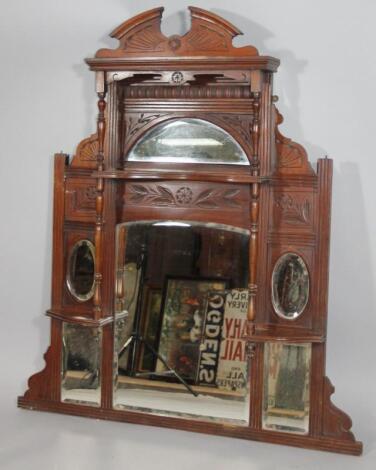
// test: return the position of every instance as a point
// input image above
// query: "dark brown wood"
(200, 174)
(150, 79)
(208, 33)
(78, 319)
(86, 153)
(336, 423)
(80, 199)
(101, 128)
(254, 215)
(291, 157)
(61, 161)
(45, 385)
(324, 443)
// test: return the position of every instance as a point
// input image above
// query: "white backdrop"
(326, 89)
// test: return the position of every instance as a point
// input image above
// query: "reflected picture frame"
(184, 302)
(151, 312)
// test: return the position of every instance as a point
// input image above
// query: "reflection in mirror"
(81, 364)
(287, 369)
(80, 272)
(188, 141)
(290, 286)
(181, 301)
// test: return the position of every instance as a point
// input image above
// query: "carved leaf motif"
(230, 193)
(212, 198)
(138, 188)
(240, 125)
(205, 199)
(134, 125)
(229, 197)
(165, 196)
(294, 212)
(148, 194)
(161, 195)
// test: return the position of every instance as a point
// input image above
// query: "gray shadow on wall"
(87, 80)
(287, 77)
(352, 304)
(177, 23)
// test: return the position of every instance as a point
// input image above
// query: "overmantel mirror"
(190, 250)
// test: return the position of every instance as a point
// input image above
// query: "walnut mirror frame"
(153, 158)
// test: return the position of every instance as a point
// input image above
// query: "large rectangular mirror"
(181, 301)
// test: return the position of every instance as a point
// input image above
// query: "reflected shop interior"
(181, 304)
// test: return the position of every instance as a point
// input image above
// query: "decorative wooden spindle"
(101, 129)
(254, 216)
(120, 269)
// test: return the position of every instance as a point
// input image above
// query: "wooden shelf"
(135, 382)
(79, 319)
(187, 175)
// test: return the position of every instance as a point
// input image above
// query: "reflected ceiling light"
(207, 142)
(171, 223)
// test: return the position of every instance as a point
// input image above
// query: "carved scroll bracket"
(86, 153)
(292, 158)
(336, 423)
(37, 383)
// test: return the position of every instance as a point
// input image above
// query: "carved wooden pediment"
(209, 33)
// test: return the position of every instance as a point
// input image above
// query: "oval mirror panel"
(80, 274)
(290, 286)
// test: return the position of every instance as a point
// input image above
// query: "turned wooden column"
(254, 213)
(101, 129)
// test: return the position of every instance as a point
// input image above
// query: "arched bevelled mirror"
(181, 348)
(80, 270)
(290, 286)
(188, 140)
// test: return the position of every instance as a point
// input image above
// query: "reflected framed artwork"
(183, 311)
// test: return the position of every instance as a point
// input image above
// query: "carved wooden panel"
(188, 200)
(292, 210)
(240, 125)
(80, 197)
(184, 195)
(134, 124)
